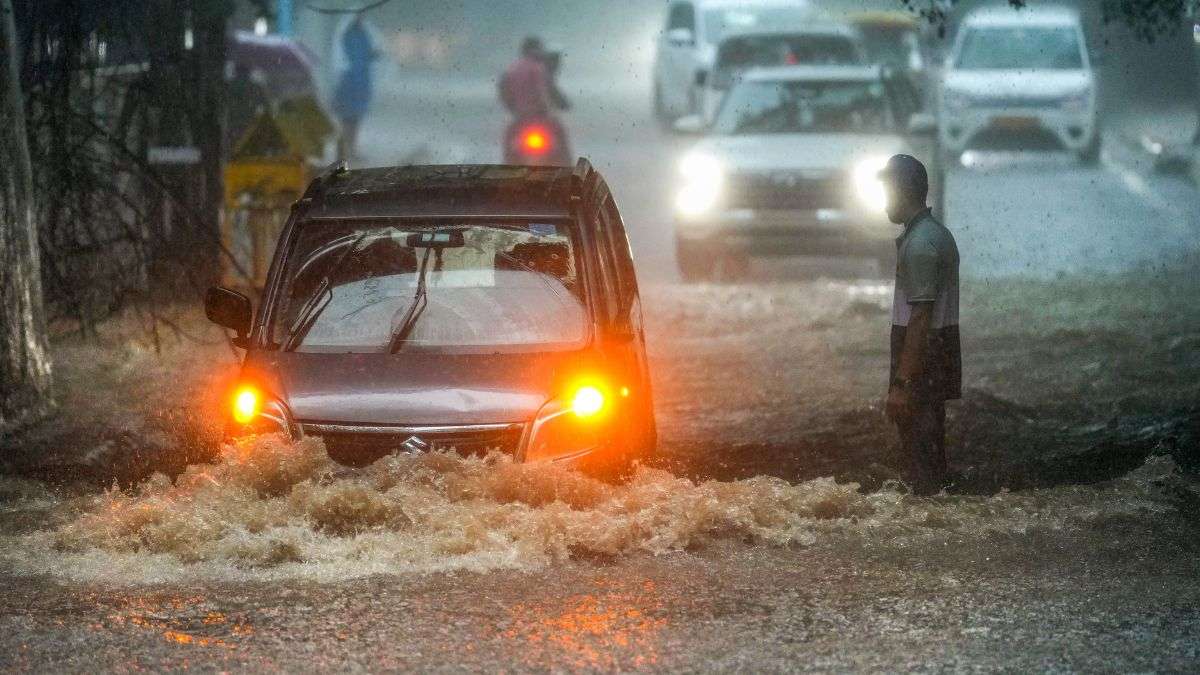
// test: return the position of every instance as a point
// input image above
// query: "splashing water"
(274, 509)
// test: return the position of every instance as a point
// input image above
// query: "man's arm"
(912, 357)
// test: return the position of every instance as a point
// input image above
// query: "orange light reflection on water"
(613, 628)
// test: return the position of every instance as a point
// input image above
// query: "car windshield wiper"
(318, 301)
(415, 308)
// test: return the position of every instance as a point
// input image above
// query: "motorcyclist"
(530, 94)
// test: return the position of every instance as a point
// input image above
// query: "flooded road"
(768, 535)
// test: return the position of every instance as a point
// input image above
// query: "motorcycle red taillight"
(536, 140)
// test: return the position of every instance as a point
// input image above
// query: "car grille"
(784, 190)
(1016, 102)
(352, 440)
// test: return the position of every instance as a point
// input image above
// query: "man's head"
(532, 46)
(907, 185)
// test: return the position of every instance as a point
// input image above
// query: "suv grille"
(351, 443)
(785, 190)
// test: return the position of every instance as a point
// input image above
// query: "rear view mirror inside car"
(451, 239)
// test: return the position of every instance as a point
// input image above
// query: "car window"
(681, 15)
(606, 269)
(618, 243)
(742, 53)
(507, 287)
(1015, 48)
(788, 107)
(892, 45)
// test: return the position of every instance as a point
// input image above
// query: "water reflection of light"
(613, 629)
(180, 620)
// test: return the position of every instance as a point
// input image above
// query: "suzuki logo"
(415, 445)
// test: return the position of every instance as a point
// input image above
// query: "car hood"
(411, 389)
(1000, 83)
(775, 152)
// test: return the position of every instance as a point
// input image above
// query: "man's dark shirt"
(927, 272)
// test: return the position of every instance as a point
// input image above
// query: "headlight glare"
(702, 179)
(246, 405)
(869, 186)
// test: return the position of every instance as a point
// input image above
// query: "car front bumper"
(763, 232)
(1074, 130)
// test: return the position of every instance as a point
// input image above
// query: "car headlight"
(702, 179)
(253, 412)
(571, 425)
(869, 186)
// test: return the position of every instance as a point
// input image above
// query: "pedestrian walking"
(926, 364)
(352, 96)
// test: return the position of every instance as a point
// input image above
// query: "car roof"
(750, 4)
(813, 73)
(1027, 16)
(797, 28)
(884, 18)
(452, 190)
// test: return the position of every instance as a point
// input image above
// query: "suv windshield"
(791, 107)
(742, 53)
(1012, 48)
(502, 287)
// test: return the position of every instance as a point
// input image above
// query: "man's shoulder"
(929, 230)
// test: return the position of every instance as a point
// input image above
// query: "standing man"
(926, 368)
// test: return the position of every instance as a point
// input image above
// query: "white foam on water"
(271, 509)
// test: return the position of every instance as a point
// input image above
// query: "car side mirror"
(921, 124)
(229, 309)
(690, 125)
(681, 37)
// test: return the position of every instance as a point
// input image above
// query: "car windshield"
(757, 107)
(893, 45)
(504, 287)
(1012, 48)
(719, 22)
(741, 53)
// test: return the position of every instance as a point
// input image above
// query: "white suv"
(688, 43)
(1020, 73)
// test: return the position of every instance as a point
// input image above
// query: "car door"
(678, 57)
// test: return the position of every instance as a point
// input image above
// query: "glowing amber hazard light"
(245, 405)
(588, 401)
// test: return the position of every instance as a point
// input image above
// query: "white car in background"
(688, 43)
(817, 43)
(790, 166)
(1020, 74)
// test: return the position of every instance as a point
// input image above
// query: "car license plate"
(1018, 123)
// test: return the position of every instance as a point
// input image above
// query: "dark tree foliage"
(105, 82)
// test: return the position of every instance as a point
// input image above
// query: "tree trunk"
(208, 128)
(24, 349)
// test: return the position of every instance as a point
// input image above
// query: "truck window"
(681, 15)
